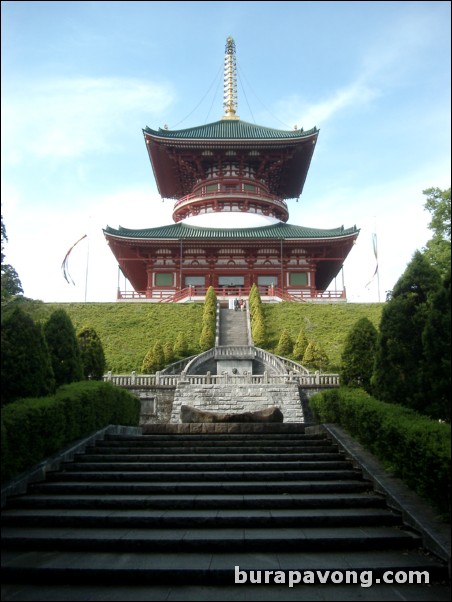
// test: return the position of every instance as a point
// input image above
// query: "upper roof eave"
(227, 130)
(280, 230)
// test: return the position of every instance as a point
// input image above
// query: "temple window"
(298, 279)
(164, 279)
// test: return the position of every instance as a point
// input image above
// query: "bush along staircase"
(243, 514)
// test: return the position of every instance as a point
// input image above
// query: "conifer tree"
(358, 356)
(91, 353)
(300, 346)
(398, 373)
(436, 365)
(315, 356)
(285, 344)
(168, 352)
(180, 346)
(207, 338)
(63, 348)
(258, 330)
(26, 367)
(149, 365)
(159, 356)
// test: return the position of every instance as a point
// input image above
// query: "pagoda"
(230, 182)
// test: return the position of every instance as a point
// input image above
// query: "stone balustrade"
(133, 380)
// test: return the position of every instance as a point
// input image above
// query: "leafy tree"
(25, 360)
(438, 248)
(358, 356)
(436, 347)
(397, 376)
(300, 346)
(63, 347)
(11, 284)
(92, 354)
(285, 344)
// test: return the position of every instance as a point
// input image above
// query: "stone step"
(195, 447)
(220, 456)
(179, 463)
(139, 473)
(205, 569)
(173, 511)
(217, 467)
(201, 487)
(200, 502)
(251, 439)
(253, 539)
(222, 429)
(177, 518)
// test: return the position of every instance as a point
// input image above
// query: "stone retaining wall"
(239, 398)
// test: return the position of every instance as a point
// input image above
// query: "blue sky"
(81, 79)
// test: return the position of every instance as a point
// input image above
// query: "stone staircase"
(167, 516)
(233, 328)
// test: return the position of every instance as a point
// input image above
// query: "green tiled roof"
(184, 231)
(230, 129)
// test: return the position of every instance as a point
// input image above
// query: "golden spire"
(230, 81)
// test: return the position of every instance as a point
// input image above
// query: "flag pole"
(378, 263)
(86, 271)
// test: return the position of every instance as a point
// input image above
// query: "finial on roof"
(230, 81)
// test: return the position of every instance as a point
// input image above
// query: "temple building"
(230, 182)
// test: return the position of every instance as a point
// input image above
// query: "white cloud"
(71, 117)
(307, 115)
(38, 244)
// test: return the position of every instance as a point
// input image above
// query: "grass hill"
(327, 324)
(129, 330)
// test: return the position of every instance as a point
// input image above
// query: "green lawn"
(129, 330)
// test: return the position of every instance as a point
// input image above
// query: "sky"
(80, 81)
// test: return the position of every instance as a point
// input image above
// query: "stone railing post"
(134, 377)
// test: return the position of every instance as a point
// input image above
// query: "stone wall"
(161, 404)
(239, 398)
(156, 403)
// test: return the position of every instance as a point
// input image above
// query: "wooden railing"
(225, 292)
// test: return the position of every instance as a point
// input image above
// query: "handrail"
(172, 296)
(233, 194)
(137, 381)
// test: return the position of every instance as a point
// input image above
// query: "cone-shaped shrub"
(207, 338)
(63, 348)
(300, 346)
(180, 346)
(285, 344)
(315, 356)
(92, 354)
(25, 360)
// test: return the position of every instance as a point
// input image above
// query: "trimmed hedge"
(413, 447)
(35, 428)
